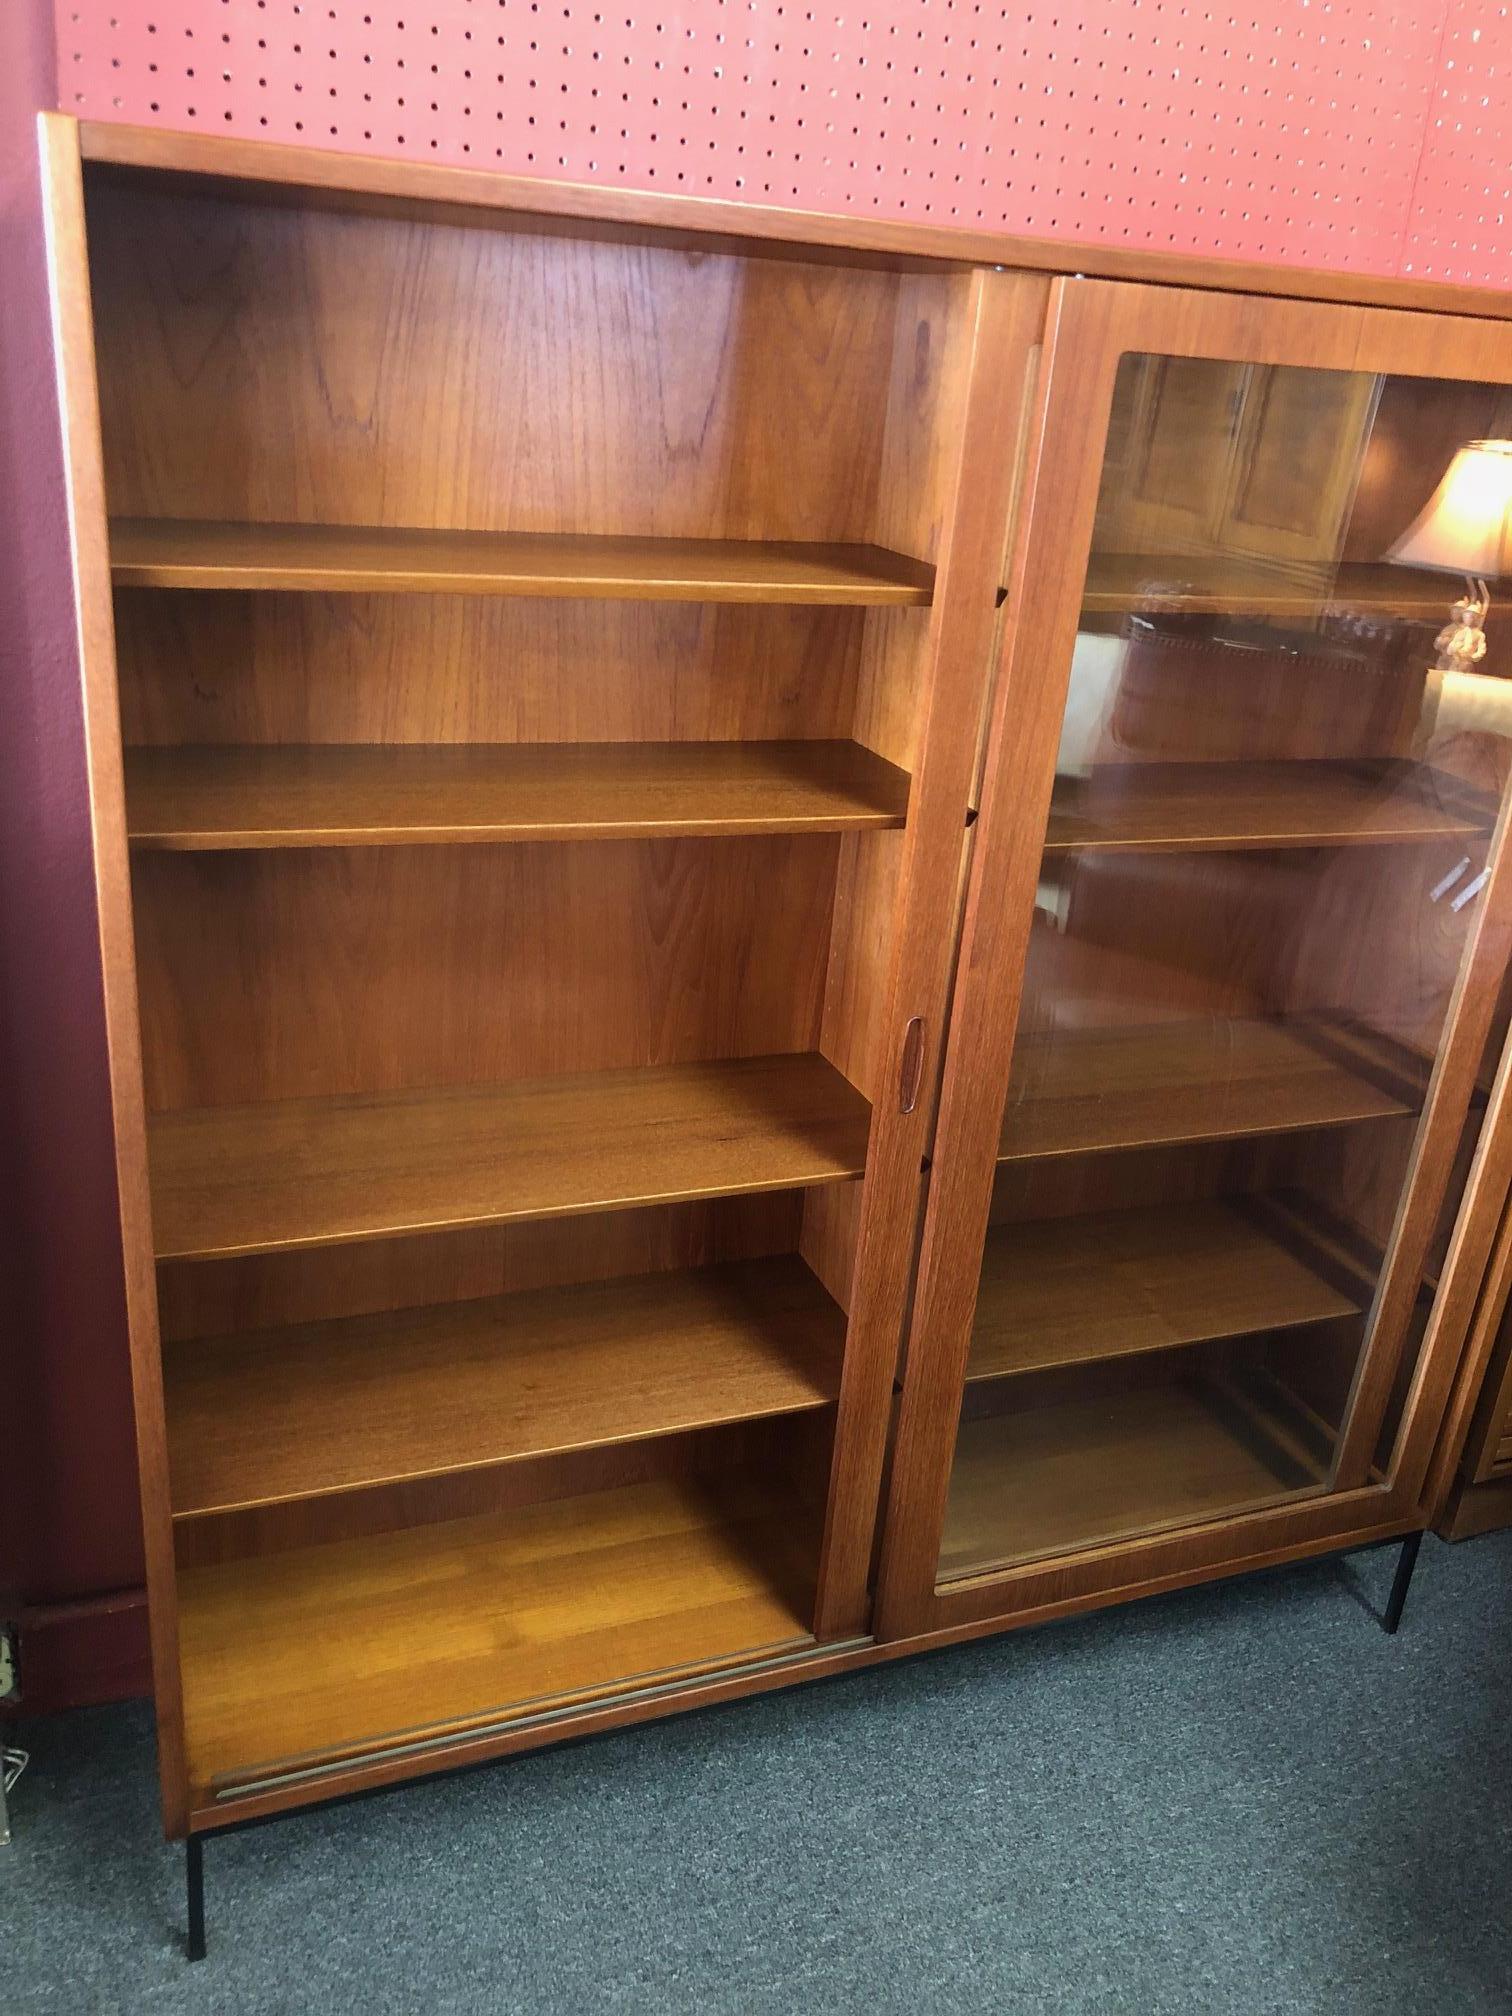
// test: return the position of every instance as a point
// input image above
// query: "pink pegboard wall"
(1461, 226)
(1339, 133)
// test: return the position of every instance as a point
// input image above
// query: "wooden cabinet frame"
(966, 491)
(1091, 326)
(1032, 357)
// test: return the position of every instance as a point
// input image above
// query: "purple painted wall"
(69, 1529)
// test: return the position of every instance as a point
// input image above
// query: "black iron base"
(194, 1870)
(1402, 1581)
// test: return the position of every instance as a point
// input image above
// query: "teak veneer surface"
(191, 553)
(379, 969)
(1220, 585)
(1188, 806)
(1046, 1479)
(267, 1416)
(338, 1646)
(1074, 1090)
(1061, 1291)
(312, 1172)
(210, 797)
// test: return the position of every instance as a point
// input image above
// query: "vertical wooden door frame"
(1006, 314)
(1090, 327)
(89, 530)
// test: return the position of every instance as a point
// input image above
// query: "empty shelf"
(315, 1172)
(327, 559)
(1061, 1291)
(1076, 1090)
(1045, 1479)
(325, 1651)
(1212, 584)
(1185, 807)
(342, 797)
(264, 1418)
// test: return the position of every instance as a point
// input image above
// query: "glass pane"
(1271, 816)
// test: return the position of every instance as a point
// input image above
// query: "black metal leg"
(1402, 1582)
(194, 1870)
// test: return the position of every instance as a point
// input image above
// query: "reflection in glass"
(1268, 835)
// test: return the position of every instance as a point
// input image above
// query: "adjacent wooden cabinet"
(1479, 1495)
(1469, 1487)
(797, 948)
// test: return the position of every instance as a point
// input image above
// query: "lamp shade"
(1466, 525)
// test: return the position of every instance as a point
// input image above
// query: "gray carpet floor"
(1241, 1798)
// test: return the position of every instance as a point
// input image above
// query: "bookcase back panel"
(296, 668)
(350, 970)
(1148, 938)
(260, 1292)
(1293, 704)
(607, 387)
(1143, 937)
(782, 1451)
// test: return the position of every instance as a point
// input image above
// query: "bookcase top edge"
(279, 172)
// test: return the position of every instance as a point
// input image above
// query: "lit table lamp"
(1465, 528)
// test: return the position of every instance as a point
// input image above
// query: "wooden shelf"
(1109, 1284)
(264, 1418)
(342, 797)
(355, 1645)
(1207, 584)
(1186, 807)
(1077, 1090)
(1050, 1478)
(319, 1172)
(332, 559)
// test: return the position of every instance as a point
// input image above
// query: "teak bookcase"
(799, 956)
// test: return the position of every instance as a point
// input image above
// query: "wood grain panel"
(1211, 699)
(213, 668)
(990, 371)
(1045, 1479)
(359, 1643)
(266, 1416)
(607, 389)
(295, 974)
(78, 362)
(249, 1179)
(264, 1291)
(1120, 937)
(1114, 1283)
(438, 1497)
(867, 886)
(1382, 939)
(325, 796)
(323, 559)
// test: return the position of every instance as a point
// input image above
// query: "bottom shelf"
(301, 1658)
(1071, 1473)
